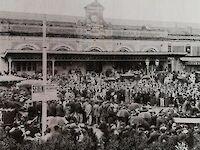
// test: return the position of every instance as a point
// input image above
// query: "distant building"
(92, 43)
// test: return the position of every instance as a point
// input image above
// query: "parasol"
(168, 110)
(29, 82)
(11, 78)
(123, 113)
(145, 115)
(134, 106)
(136, 120)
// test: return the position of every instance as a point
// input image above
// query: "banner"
(187, 120)
(51, 92)
(44, 92)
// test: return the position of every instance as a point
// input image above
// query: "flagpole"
(44, 72)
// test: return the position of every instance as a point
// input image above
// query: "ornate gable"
(94, 14)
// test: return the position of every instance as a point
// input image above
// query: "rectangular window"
(178, 49)
(188, 49)
(169, 48)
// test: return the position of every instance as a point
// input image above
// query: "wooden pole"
(44, 72)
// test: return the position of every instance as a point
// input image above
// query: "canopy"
(123, 113)
(187, 120)
(134, 106)
(29, 82)
(11, 78)
(190, 59)
(138, 121)
(145, 115)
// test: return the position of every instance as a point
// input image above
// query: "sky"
(186, 11)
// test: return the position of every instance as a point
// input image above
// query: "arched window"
(124, 49)
(169, 47)
(63, 48)
(94, 49)
(28, 47)
(151, 50)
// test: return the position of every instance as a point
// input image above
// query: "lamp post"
(147, 62)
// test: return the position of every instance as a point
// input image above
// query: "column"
(9, 66)
(157, 64)
(173, 64)
(53, 67)
(147, 61)
(12, 66)
(171, 60)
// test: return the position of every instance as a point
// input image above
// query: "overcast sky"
(159, 10)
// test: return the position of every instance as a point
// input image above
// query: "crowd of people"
(101, 111)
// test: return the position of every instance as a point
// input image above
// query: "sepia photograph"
(99, 75)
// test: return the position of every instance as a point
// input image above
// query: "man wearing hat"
(163, 134)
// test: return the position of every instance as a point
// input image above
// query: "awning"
(191, 60)
(29, 82)
(10, 78)
(187, 120)
(108, 53)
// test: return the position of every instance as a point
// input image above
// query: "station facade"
(93, 43)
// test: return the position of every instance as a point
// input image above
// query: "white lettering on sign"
(37, 92)
(38, 89)
(51, 92)
(47, 92)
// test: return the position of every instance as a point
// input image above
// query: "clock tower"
(94, 14)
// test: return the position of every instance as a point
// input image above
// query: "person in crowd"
(98, 110)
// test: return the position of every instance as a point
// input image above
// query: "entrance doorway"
(125, 66)
(94, 66)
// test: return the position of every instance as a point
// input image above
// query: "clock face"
(94, 18)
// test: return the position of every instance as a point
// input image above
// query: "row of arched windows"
(91, 49)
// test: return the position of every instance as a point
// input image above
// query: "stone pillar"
(9, 66)
(53, 67)
(147, 61)
(157, 64)
(13, 66)
(179, 65)
(173, 64)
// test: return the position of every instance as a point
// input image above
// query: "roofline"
(75, 19)
(92, 53)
